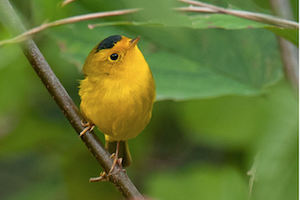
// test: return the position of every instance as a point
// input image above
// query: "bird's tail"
(124, 152)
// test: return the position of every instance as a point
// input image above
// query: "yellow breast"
(119, 112)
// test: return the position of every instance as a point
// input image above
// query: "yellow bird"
(117, 93)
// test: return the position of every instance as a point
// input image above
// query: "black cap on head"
(109, 42)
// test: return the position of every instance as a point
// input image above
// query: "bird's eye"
(114, 56)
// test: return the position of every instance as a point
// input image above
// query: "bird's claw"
(105, 177)
(89, 126)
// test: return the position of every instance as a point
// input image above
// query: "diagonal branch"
(120, 179)
(28, 34)
(267, 19)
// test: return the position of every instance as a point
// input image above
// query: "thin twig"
(267, 19)
(65, 2)
(197, 9)
(288, 51)
(28, 34)
(252, 174)
(13, 24)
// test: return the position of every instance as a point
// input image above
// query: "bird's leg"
(117, 161)
(89, 126)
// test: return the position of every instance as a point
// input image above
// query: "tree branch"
(267, 19)
(120, 179)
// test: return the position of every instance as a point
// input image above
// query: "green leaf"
(178, 78)
(289, 34)
(199, 21)
(210, 21)
(248, 58)
(190, 64)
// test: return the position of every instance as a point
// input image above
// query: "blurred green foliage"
(222, 100)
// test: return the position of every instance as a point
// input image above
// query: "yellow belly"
(120, 113)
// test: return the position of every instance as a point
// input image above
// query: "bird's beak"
(134, 42)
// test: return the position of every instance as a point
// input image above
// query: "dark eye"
(114, 56)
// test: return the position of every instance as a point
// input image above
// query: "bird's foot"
(117, 161)
(105, 176)
(89, 126)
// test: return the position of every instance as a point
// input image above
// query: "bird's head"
(112, 56)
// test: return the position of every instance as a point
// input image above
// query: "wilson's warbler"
(117, 93)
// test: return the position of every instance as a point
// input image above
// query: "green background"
(222, 100)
